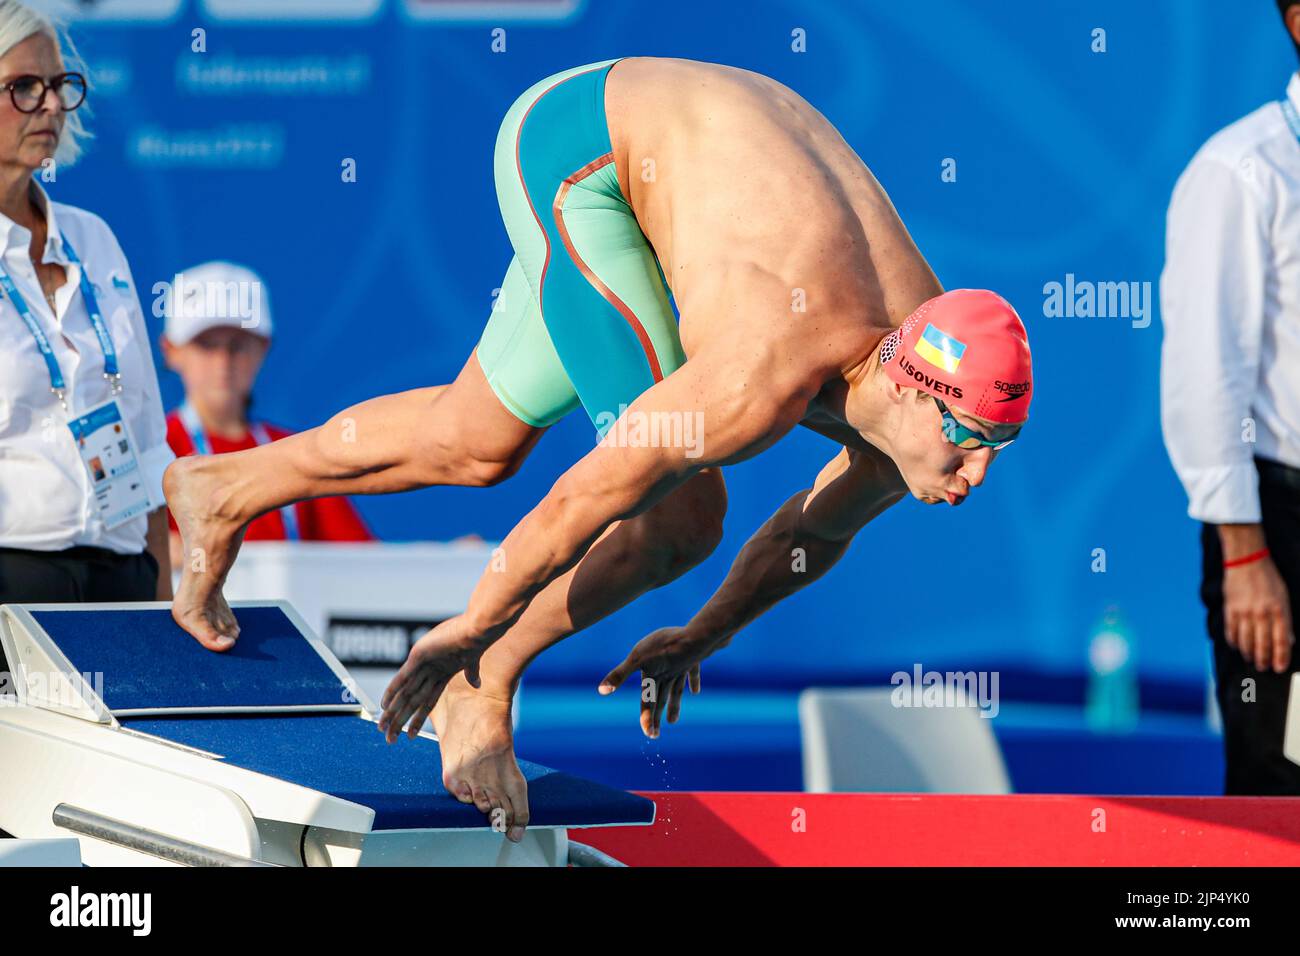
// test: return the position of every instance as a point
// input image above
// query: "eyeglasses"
(963, 437)
(28, 92)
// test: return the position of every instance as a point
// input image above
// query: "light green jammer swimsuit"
(584, 313)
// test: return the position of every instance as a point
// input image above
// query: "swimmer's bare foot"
(210, 542)
(478, 758)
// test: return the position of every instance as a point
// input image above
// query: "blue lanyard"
(57, 384)
(1292, 118)
(199, 439)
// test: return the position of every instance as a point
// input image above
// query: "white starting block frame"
(137, 799)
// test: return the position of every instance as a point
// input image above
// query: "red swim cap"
(970, 349)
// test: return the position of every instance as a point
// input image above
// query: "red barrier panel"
(845, 829)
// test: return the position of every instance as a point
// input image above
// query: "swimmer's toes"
(517, 795)
(458, 788)
(213, 636)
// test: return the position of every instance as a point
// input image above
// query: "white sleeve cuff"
(153, 462)
(1226, 494)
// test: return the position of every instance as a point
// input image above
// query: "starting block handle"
(99, 827)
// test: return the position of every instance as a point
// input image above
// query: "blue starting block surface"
(347, 757)
(148, 664)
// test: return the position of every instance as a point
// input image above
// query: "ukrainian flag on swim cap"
(940, 349)
(995, 379)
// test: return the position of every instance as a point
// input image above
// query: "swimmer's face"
(29, 139)
(935, 470)
(218, 366)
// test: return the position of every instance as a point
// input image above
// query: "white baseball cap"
(213, 295)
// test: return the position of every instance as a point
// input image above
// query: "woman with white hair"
(83, 441)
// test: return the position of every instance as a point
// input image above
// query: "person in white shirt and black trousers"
(83, 441)
(1230, 397)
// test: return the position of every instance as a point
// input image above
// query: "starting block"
(119, 728)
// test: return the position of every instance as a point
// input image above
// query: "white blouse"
(46, 500)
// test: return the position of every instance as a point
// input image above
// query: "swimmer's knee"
(486, 472)
(690, 524)
(706, 507)
(685, 544)
(453, 457)
(699, 537)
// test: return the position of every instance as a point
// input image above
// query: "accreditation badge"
(108, 453)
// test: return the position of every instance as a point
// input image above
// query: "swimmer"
(625, 187)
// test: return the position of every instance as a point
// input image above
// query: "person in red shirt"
(217, 332)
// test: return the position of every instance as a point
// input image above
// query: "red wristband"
(1247, 558)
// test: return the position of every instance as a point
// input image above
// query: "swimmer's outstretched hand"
(435, 659)
(669, 660)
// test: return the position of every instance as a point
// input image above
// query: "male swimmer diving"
(802, 300)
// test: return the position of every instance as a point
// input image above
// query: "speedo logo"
(933, 384)
(1012, 390)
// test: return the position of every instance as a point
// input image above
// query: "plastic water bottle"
(1112, 697)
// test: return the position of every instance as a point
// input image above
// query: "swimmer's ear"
(900, 394)
(896, 392)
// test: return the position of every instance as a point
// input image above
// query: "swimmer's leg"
(632, 557)
(608, 316)
(475, 431)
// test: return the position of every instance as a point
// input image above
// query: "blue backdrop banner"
(1031, 148)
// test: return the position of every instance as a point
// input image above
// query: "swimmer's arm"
(801, 542)
(739, 407)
